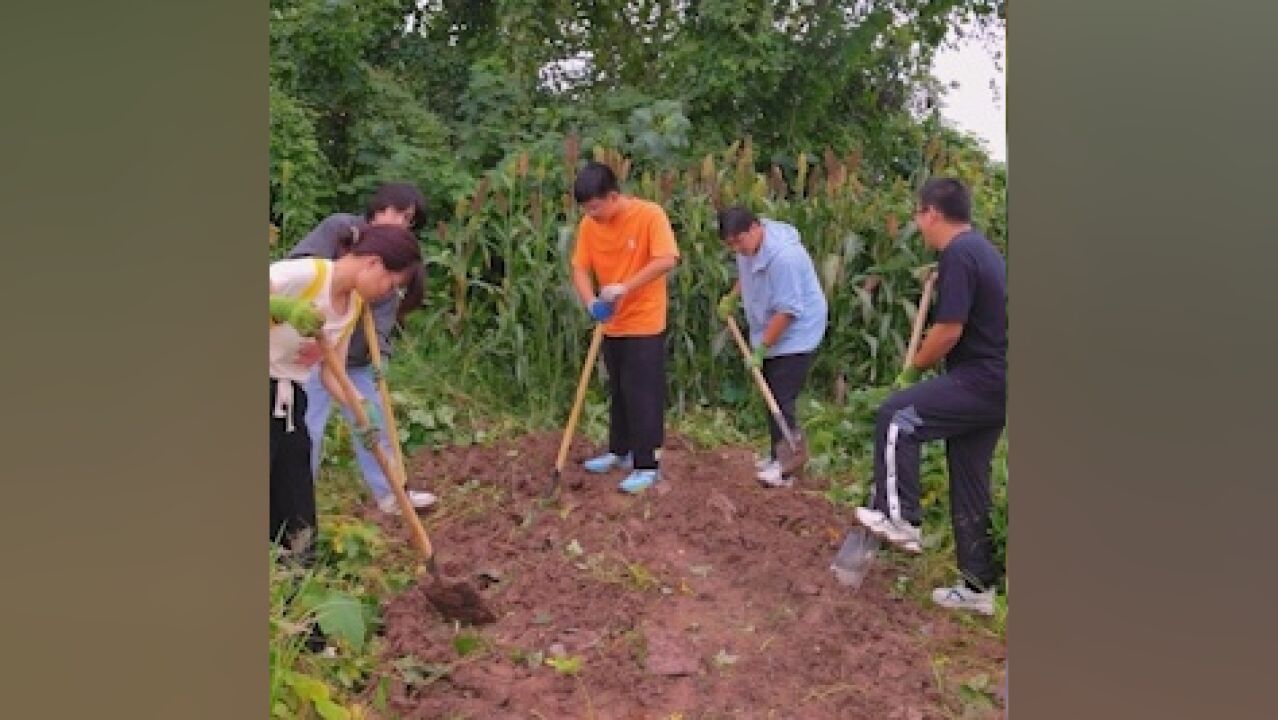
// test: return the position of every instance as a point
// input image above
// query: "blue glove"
(600, 311)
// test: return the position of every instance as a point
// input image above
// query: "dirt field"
(706, 597)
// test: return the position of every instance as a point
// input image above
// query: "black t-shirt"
(972, 289)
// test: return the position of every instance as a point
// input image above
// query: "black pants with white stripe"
(637, 383)
(785, 375)
(970, 421)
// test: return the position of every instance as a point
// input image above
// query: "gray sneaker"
(961, 597)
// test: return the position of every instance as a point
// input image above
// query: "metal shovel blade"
(855, 558)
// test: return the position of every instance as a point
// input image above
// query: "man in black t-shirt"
(965, 406)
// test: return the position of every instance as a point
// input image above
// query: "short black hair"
(595, 180)
(734, 221)
(949, 196)
(401, 196)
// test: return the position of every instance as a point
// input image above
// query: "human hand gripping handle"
(728, 305)
(908, 377)
(600, 310)
(371, 433)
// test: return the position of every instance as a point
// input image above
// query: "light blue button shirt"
(782, 278)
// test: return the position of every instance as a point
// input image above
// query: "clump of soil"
(457, 601)
(708, 596)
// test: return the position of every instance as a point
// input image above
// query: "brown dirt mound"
(708, 596)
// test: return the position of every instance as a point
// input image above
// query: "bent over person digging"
(628, 246)
(787, 315)
(312, 298)
(965, 406)
(394, 204)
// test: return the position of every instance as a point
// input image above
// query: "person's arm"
(776, 326)
(664, 253)
(655, 268)
(582, 278)
(940, 339)
(955, 291)
(325, 239)
(585, 286)
(786, 283)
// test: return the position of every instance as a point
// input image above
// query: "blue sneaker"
(638, 481)
(608, 461)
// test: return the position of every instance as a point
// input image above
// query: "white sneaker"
(903, 535)
(419, 499)
(960, 597)
(761, 463)
(770, 475)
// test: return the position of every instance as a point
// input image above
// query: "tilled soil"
(708, 596)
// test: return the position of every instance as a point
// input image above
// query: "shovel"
(587, 370)
(792, 454)
(454, 602)
(860, 546)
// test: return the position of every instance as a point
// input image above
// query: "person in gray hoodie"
(399, 204)
(785, 308)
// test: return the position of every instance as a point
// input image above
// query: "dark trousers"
(292, 485)
(785, 375)
(637, 386)
(970, 421)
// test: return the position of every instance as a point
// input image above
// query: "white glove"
(612, 293)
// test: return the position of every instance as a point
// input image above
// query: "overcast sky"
(974, 106)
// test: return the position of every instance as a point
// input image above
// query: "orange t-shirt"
(618, 249)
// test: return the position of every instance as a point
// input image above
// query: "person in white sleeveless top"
(311, 296)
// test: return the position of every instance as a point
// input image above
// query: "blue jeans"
(318, 405)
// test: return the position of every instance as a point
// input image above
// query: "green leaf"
(307, 688)
(466, 644)
(329, 710)
(342, 616)
(570, 665)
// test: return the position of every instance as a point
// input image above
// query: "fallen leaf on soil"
(723, 659)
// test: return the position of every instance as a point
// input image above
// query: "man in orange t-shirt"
(627, 244)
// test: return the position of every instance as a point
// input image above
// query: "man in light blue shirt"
(785, 309)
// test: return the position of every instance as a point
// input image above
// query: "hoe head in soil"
(792, 459)
(458, 601)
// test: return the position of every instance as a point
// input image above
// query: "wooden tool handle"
(375, 355)
(338, 372)
(920, 317)
(587, 369)
(762, 382)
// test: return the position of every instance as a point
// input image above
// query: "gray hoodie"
(323, 242)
